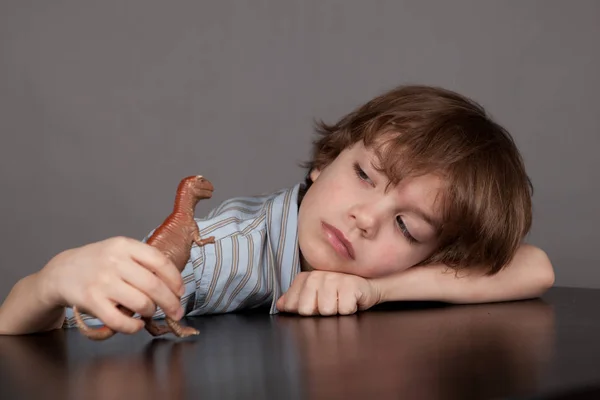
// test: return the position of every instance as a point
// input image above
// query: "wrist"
(391, 287)
(375, 290)
(47, 282)
(413, 284)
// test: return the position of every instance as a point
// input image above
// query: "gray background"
(104, 106)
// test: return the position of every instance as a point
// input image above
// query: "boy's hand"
(328, 293)
(98, 276)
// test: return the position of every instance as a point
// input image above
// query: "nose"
(366, 219)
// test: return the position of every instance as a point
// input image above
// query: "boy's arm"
(25, 311)
(528, 275)
(93, 277)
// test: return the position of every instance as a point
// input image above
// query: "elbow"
(545, 276)
(548, 280)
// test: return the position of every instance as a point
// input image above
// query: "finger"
(153, 287)
(128, 296)
(280, 304)
(347, 302)
(154, 260)
(367, 296)
(106, 310)
(307, 301)
(328, 298)
(291, 298)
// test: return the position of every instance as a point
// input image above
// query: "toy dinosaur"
(174, 237)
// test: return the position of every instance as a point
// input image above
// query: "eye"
(361, 174)
(404, 230)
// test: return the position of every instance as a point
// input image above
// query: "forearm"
(25, 311)
(528, 275)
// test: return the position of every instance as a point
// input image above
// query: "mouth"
(338, 241)
(206, 192)
(207, 186)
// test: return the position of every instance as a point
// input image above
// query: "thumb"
(368, 295)
(280, 302)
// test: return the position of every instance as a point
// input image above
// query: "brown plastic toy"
(174, 237)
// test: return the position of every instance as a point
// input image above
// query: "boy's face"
(348, 223)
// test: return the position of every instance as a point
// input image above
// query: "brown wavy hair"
(415, 130)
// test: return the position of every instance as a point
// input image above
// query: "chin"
(319, 258)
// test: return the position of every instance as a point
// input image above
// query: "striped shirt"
(252, 263)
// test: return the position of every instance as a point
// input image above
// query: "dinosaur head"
(198, 186)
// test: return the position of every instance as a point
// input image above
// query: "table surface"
(546, 348)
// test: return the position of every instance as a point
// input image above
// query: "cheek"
(327, 194)
(390, 257)
(332, 187)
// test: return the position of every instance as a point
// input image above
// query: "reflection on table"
(425, 352)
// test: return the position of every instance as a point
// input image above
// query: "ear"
(314, 174)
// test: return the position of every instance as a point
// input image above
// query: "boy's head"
(416, 176)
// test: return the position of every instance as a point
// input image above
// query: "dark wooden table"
(546, 348)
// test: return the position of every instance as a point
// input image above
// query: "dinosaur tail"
(101, 333)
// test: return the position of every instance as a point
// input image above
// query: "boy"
(412, 185)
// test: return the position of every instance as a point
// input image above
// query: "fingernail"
(182, 290)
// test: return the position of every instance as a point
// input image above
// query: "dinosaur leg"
(179, 330)
(155, 329)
